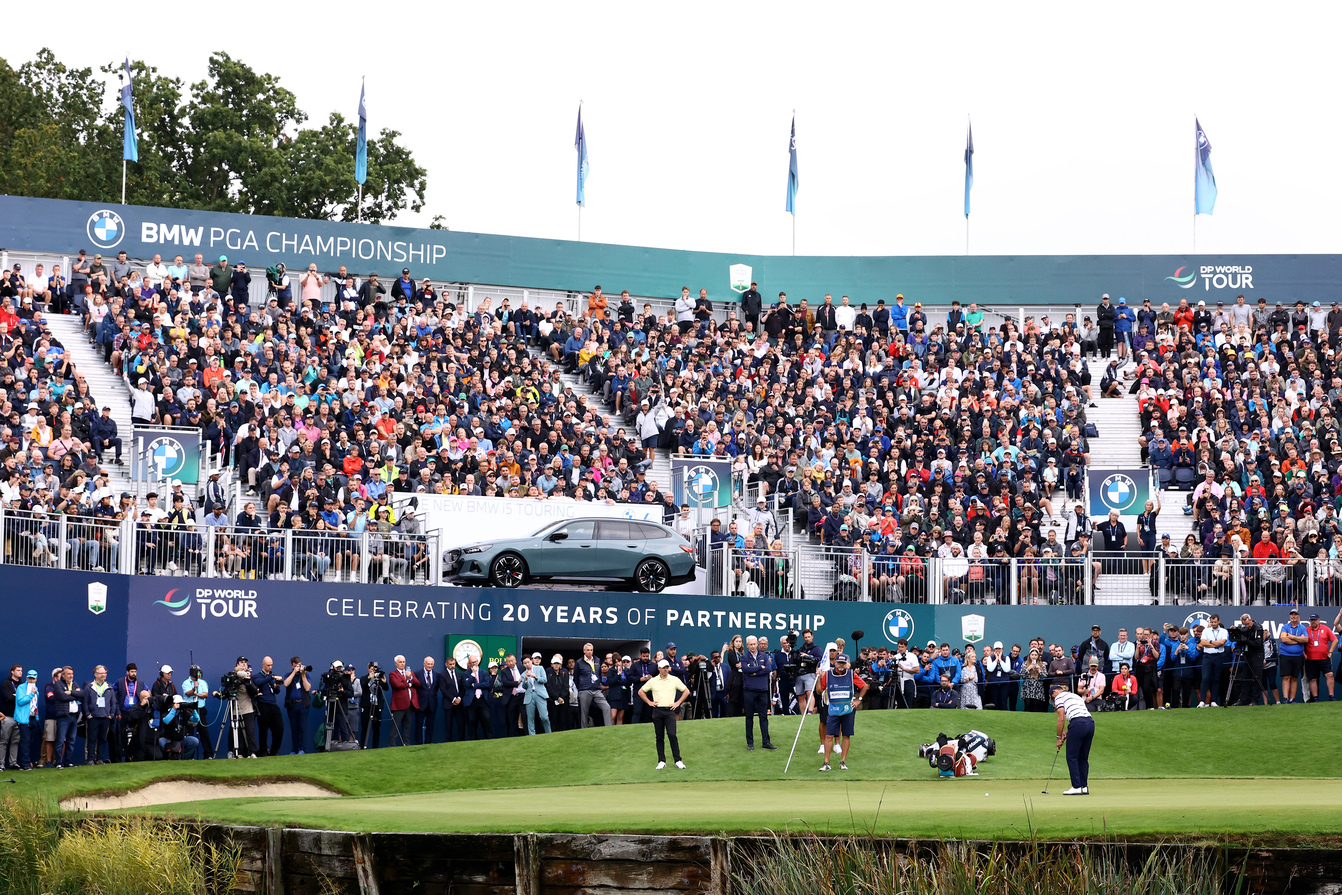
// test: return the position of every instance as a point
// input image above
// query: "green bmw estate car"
(648, 556)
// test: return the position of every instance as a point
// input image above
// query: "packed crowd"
(62, 722)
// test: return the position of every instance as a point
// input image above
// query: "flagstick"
(1195, 231)
(966, 234)
(794, 233)
(123, 181)
(359, 214)
(579, 223)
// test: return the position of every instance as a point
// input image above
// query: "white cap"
(831, 646)
(663, 664)
(557, 658)
(535, 655)
(166, 669)
(998, 645)
(177, 700)
(337, 664)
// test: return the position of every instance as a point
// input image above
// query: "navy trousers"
(1080, 732)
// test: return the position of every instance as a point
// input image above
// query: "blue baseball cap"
(841, 657)
(670, 646)
(32, 673)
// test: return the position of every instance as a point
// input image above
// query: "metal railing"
(141, 548)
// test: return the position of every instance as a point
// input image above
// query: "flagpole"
(359, 215)
(579, 223)
(123, 181)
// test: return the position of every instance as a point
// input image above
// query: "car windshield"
(549, 527)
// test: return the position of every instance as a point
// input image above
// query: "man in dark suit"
(511, 693)
(427, 712)
(371, 706)
(474, 699)
(557, 682)
(450, 687)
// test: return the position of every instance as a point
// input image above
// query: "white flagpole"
(123, 181)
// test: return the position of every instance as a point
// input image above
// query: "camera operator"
(296, 690)
(370, 708)
(1246, 640)
(195, 692)
(238, 685)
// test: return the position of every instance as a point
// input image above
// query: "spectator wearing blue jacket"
(30, 725)
(948, 665)
(1124, 322)
(1182, 660)
(756, 668)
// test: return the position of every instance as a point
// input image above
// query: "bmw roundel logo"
(105, 228)
(167, 457)
(1119, 492)
(1200, 617)
(898, 625)
(701, 485)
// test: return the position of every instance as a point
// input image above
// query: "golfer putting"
(1076, 729)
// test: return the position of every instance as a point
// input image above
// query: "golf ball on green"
(985, 795)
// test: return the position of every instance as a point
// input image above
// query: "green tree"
(232, 142)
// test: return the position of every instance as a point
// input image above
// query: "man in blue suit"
(450, 697)
(428, 702)
(474, 699)
(756, 666)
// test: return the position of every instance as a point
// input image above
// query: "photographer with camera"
(336, 689)
(195, 693)
(371, 687)
(296, 690)
(175, 735)
(1247, 640)
(270, 721)
(239, 694)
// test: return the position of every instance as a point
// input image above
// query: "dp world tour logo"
(179, 607)
(1119, 492)
(105, 228)
(898, 626)
(1184, 280)
(167, 457)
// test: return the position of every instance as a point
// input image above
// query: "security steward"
(1076, 729)
(665, 694)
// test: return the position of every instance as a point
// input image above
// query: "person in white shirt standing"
(1076, 729)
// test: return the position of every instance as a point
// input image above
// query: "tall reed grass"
(39, 855)
(855, 866)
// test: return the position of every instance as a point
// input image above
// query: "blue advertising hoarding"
(49, 225)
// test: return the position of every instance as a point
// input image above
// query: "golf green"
(1240, 772)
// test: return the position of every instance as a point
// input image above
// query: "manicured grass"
(1155, 771)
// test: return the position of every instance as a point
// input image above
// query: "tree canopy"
(235, 141)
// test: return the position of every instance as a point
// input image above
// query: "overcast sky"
(1083, 115)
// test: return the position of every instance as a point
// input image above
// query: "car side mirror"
(558, 536)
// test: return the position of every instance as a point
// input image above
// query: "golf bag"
(960, 756)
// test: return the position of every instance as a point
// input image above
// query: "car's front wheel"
(651, 576)
(508, 570)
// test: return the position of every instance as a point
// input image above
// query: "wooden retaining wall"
(317, 862)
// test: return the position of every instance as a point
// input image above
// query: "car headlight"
(478, 548)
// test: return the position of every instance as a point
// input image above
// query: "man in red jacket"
(404, 703)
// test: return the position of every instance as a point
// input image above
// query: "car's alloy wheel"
(651, 576)
(508, 570)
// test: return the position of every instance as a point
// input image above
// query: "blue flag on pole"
(1204, 183)
(580, 144)
(792, 180)
(969, 166)
(361, 150)
(130, 150)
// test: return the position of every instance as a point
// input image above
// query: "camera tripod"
(334, 712)
(233, 718)
(701, 700)
(374, 697)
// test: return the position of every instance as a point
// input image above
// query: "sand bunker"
(170, 791)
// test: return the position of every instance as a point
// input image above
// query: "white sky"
(1083, 115)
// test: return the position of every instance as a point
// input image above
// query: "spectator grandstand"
(895, 453)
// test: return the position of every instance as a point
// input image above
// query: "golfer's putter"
(1050, 770)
